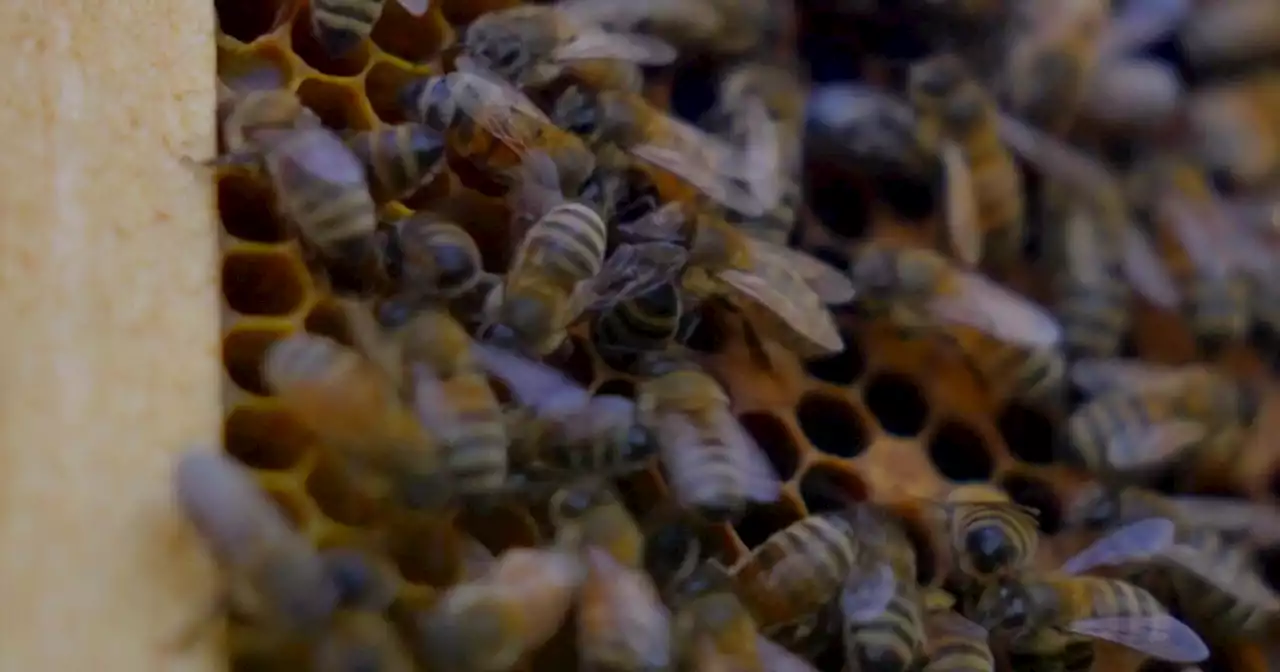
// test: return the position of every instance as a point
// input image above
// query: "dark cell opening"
(897, 403)
(262, 283)
(1027, 432)
(429, 552)
(761, 521)
(693, 89)
(959, 452)
(774, 438)
(827, 487)
(831, 424)
(618, 387)
(1038, 494)
(842, 368)
(327, 319)
(500, 390)
(336, 105)
(912, 197)
(708, 333)
(841, 207)
(309, 49)
(834, 257)
(383, 86)
(243, 351)
(265, 438)
(247, 20)
(413, 38)
(245, 206)
(922, 542)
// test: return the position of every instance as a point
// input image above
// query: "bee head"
(576, 111)
(1004, 606)
(990, 549)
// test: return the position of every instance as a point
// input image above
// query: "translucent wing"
(865, 596)
(1161, 636)
(589, 44)
(1142, 23)
(534, 384)
(537, 189)
(1075, 169)
(665, 223)
(369, 339)
(789, 308)
(435, 411)
(1098, 376)
(477, 560)
(1146, 271)
(1152, 445)
(704, 161)
(632, 270)
(1260, 523)
(498, 107)
(775, 658)
(832, 285)
(415, 7)
(319, 152)
(980, 303)
(1134, 542)
(1239, 579)
(762, 154)
(952, 623)
(760, 480)
(962, 206)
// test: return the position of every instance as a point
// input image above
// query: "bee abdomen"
(478, 455)
(342, 24)
(959, 654)
(705, 476)
(1095, 320)
(892, 642)
(569, 241)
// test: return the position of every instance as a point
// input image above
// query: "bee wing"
(1074, 168)
(864, 597)
(962, 206)
(1152, 445)
(498, 107)
(614, 594)
(231, 512)
(415, 7)
(1205, 250)
(1131, 543)
(591, 44)
(629, 272)
(319, 152)
(762, 154)
(775, 658)
(262, 78)
(1238, 579)
(978, 302)
(431, 404)
(1142, 23)
(1146, 271)
(665, 223)
(760, 480)
(832, 285)
(1260, 523)
(534, 384)
(704, 161)
(1160, 636)
(789, 306)
(1098, 376)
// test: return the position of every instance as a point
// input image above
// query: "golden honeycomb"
(886, 420)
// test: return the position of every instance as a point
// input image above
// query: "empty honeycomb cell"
(577, 364)
(428, 550)
(842, 213)
(499, 527)
(842, 368)
(775, 439)
(327, 319)
(832, 256)
(761, 521)
(243, 350)
(959, 452)
(265, 437)
(332, 488)
(897, 402)
(913, 198)
(831, 487)
(338, 105)
(413, 38)
(313, 54)
(618, 387)
(1036, 493)
(1028, 433)
(246, 209)
(247, 20)
(383, 85)
(832, 424)
(262, 282)
(693, 89)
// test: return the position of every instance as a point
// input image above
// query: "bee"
(866, 129)
(1042, 614)
(591, 514)
(495, 126)
(719, 28)
(275, 576)
(353, 405)
(1036, 375)
(1231, 33)
(342, 25)
(1197, 392)
(563, 430)
(797, 570)
(622, 622)
(883, 612)
(711, 628)
(533, 46)
(956, 644)
(714, 467)
(489, 624)
(431, 260)
(250, 107)
(1129, 93)
(1234, 130)
(361, 640)
(649, 322)
(990, 536)
(672, 548)
(399, 159)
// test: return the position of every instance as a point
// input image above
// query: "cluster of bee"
(631, 226)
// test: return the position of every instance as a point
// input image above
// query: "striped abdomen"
(341, 25)
(703, 472)
(329, 214)
(1206, 606)
(1027, 374)
(1110, 598)
(894, 640)
(567, 244)
(437, 258)
(646, 323)
(993, 539)
(477, 443)
(1094, 316)
(399, 159)
(957, 652)
(1092, 428)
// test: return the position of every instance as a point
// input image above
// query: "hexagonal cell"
(832, 424)
(897, 402)
(337, 494)
(1028, 433)
(761, 521)
(247, 20)
(265, 437)
(246, 207)
(412, 38)
(310, 51)
(338, 105)
(243, 349)
(640, 491)
(263, 282)
(831, 487)
(618, 387)
(427, 550)
(842, 368)
(1039, 494)
(499, 528)
(959, 452)
(327, 319)
(775, 439)
(382, 88)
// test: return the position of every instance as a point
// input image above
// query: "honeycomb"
(886, 420)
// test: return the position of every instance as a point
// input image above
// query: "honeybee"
(564, 430)
(360, 640)
(532, 46)
(1198, 392)
(431, 260)
(711, 628)
(714, 467)
(883, 612)
(716, 27)
(1230, 33)
(1234, 130)
(1010, 370)
(648, 322)
(1132, 92)
(251, 106)
(1099, 507)
(275, 576)
(956, 644)
(1127, 434)
(342, 25)
(990, 536)
(495, 126)
(589, 513)
(399, 159)
(622, 622)
(489, 624)
(353, 405)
